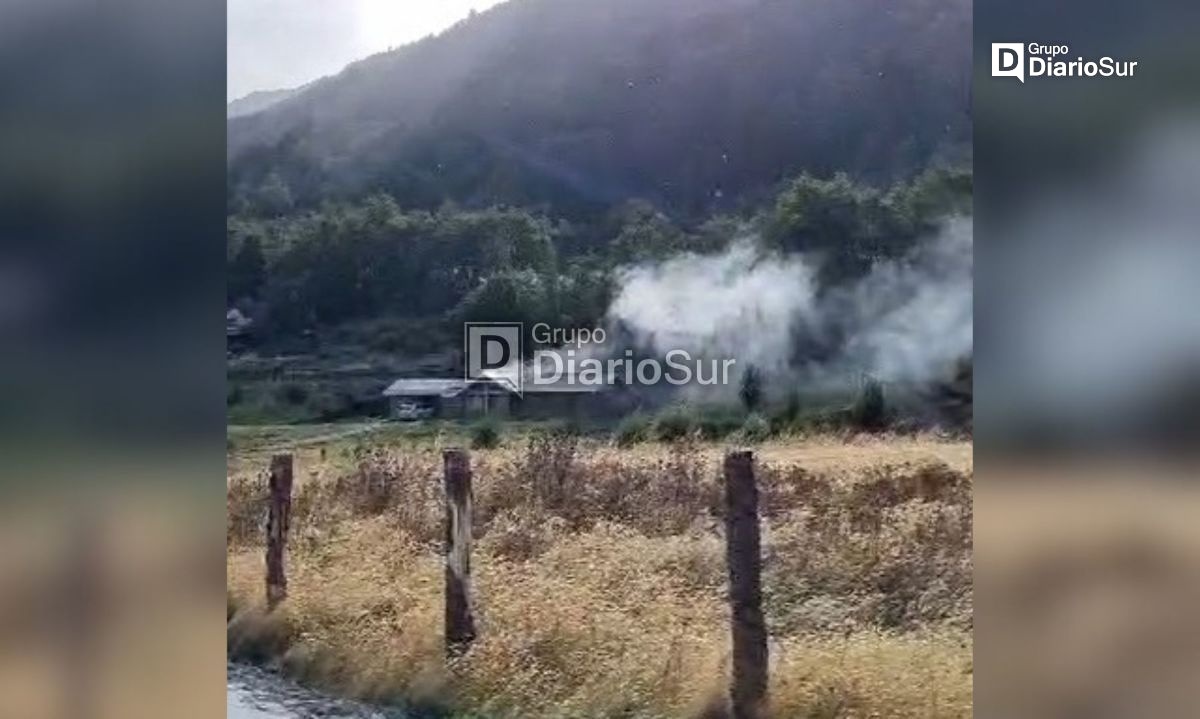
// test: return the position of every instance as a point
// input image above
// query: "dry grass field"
(600, 577)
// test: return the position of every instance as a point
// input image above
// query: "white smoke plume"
(907, 321)
(739, 304)
(911, 319)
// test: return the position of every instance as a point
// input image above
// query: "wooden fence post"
(748, 688)
(460, 624)
(278, 518)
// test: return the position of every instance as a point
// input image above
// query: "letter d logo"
(1008, 60)
(493, 351)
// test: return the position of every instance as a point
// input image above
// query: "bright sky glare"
(276, 44)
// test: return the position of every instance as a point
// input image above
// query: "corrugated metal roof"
(565, 383)
(425, 388)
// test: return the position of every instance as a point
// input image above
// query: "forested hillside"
(533, 161)
(257, 102)
(571, 107)
(422, 273)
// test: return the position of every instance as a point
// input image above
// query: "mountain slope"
(257, 102)
(696, 105)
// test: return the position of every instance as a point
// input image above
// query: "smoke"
(908, 321)
(740, 304)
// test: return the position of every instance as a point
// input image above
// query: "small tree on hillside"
(751, 390)
(870, 407)
(247, 271)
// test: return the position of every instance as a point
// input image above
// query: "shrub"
(332, 406)
(257, 637)
(870, 408)
(718, 422)
(615, 561)
(293, 394)
(485, 434)
(633, 429)
(673, 424)
(786, 417)
(548, 471)
(565, 428)
(245, 509)
(382, 482)
(521, 533)
(751, 390)
(755, 429)
(388, 341)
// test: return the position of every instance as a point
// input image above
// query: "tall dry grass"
(600, 581)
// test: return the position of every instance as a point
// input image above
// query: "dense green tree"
(930, 197)
(750, 390)
(834, 218)
(850, 226)
(645, 234)
(509, 296)
(247, 271)
(371, 259)
(582, 294)
(717, 233)
(273, 197)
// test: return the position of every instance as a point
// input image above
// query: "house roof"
(565, 383)
(426, 388)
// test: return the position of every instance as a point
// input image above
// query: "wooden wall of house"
(450, 408)
(479, 404)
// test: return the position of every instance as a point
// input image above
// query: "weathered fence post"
(460, 624)
(749, 681)
(278, 518)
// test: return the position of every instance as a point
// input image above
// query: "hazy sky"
(276, 44)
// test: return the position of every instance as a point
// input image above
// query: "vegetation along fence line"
(748, 680)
